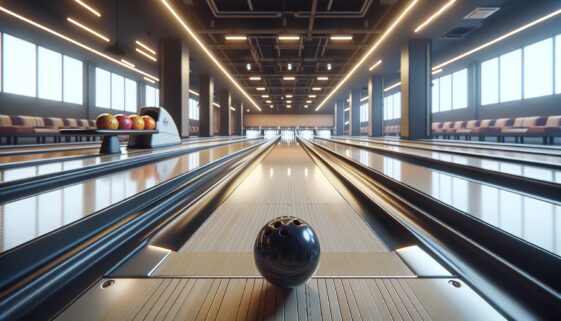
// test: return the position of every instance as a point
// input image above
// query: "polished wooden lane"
(25, 219)
(21, 172)
(535, 220)
(535, 172)
(255, 299)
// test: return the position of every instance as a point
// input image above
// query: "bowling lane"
(286, 182)
(508, 167)
(17, 173)
(31, 217)
(548, 157)
(534, 220)
(39, 153)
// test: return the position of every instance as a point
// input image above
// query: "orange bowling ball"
(137, 122)
(106, 121)
(149, 122)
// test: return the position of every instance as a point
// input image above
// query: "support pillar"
(354, 116)
(375, 106)
(239, 117)
(225, 103)
(340, 117)
(416, 89)
(174, 82)
(206, 98)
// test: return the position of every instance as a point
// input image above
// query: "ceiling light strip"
(375, 65)
(145, 54)
(437, 71)
(494, 41)
(194, 92)
(87, 7)
(79, 44)
(374, 47)
(127, 63)
(435, 15)
(152, 51)
(392, 86)
(149, 80)
(209, 54)
(364, 98)
(88, 29)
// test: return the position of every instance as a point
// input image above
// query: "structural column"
(416, 89)
(340, 117)
(225, 103)
(174, 82)
(206, 98)
(354, 116)
(239, 117)
(375, 106)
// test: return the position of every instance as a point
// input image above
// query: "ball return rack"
(110, 138)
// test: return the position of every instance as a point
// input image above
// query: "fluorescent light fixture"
(316, 88)
(271, 106)
(312, 96)
(288, 96)
(247, 110)
(268, 101)
(260, 88)
(208, 53)
(150, 50)
(500, 38)
(288, 78)
(145, 54)
(248, 67)
(308, 101)
(232, 108)
(323, 78)
(194, 92)
(364, 98)
(392, 86)
(347, 109)
(127, 63)
(369, 52)
(289, 66)
(289, 101)
(93, 32)
(305, 106)
(217, 105)
(329, 67)
(435, 15)
(289, 37)
(77, 43)
(150, 80)
(288, 106)
(264, 96)
(89, 8)
(235, 37)
(437, 71)
(341, 37)
(375, 65)
(255, 78)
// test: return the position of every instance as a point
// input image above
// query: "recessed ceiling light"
(247, 110)
(316, 88)
(289, 66)
(288, 106)
(323, 78)
(305, 106)
(375, 65)
(289, 101)
(289, 37)
(235, 37)
(288, 96)
(341, 37)
(145, 54)
(329, 67)
(248, 67)
(308, 101)
(93, 32)
(264, 96)
(268, 101)
(312, 96)
(288, 78)
(260, 88)
(255, 78)
(271, 106)
(88, 7)
(152, 51)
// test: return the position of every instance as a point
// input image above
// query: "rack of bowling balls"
(110, 127)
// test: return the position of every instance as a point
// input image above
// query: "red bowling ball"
(124, 121)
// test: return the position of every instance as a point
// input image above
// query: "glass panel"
(460, 89)
(102, 88)
(397, 105)
(157, 98)
(538, 67)
(73, 81)
(435, 97)
(117, 92)
(446, 93)
(150, 93)
(130, 95)
(511, 76)
(389, 107)
(19, 65)
(558, 64)
(50, 74)
(490, 82)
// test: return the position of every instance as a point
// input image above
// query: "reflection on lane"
(533, 220)
(533, 172)
(13, 174)
(28, 218)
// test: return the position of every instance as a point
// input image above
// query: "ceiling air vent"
(481, 13)
(458, 33)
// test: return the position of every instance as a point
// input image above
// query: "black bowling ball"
(287, 252)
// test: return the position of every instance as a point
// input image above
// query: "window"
(117, 92)
(19, 66)
(397, 105)
(460, 89)
(364, 112)
(49, 74)
(102, 88)
(73, 81)
(538, 66)
(392, 106)
(435, 97)
(152, 96)
(446, 93)
(558, 64)
(490, 82)
(130, 96)
(511, 76)
(193, 109)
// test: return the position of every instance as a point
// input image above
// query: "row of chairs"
(14, 127)
(546, 127)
